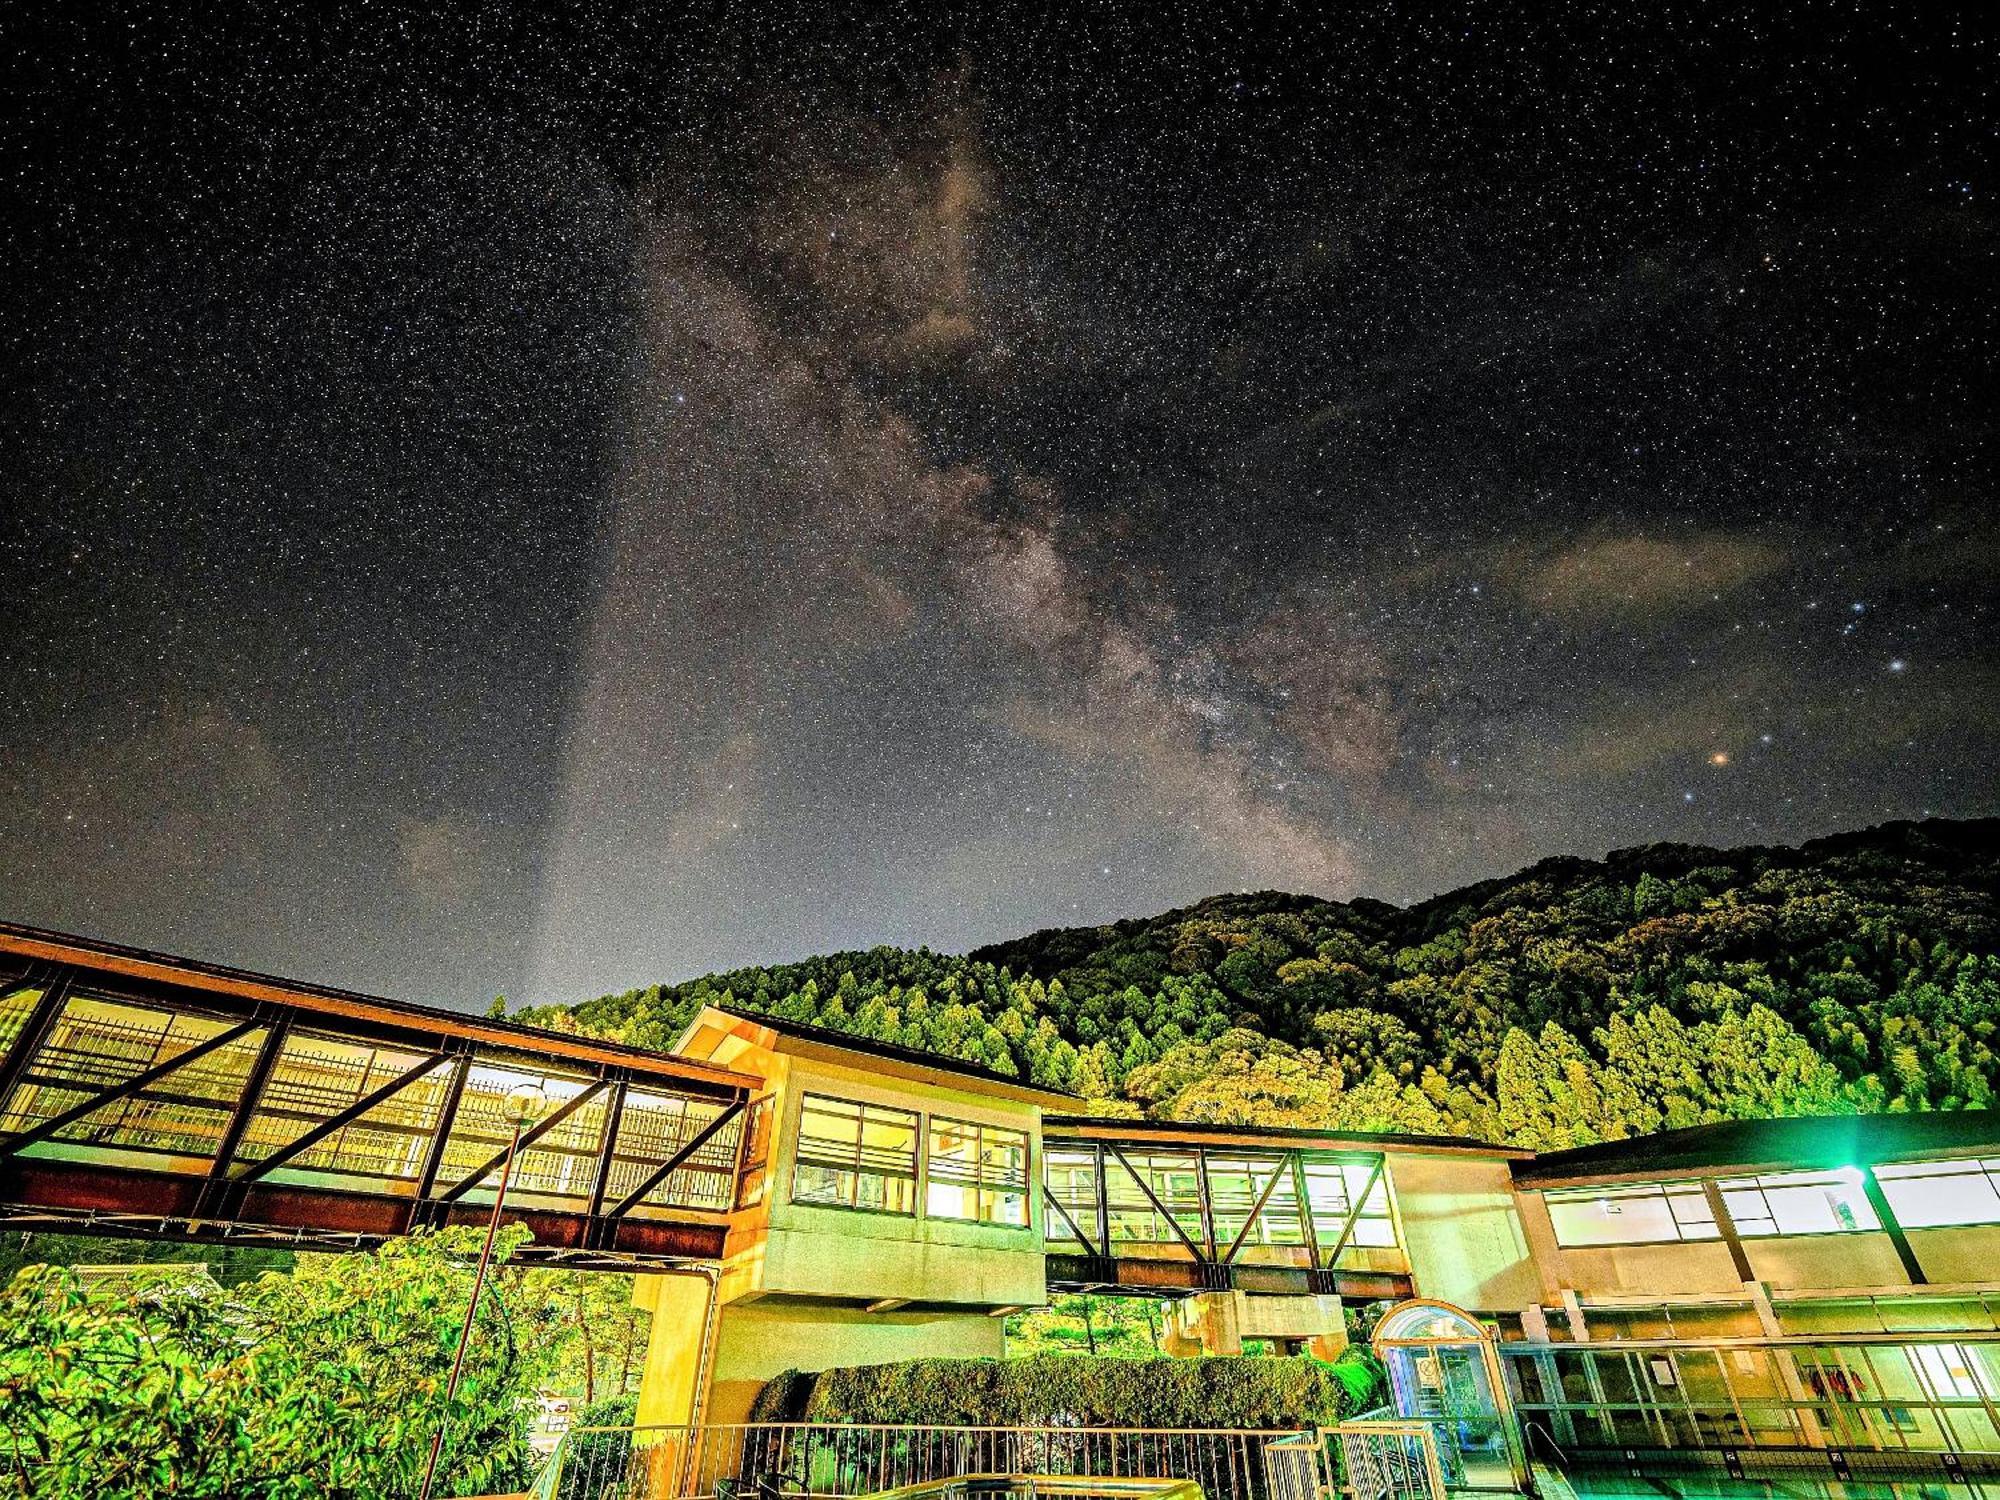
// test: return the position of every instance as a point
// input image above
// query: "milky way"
(498, 504)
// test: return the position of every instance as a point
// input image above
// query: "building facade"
(897, 1206)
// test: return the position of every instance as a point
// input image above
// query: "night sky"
(506, 501)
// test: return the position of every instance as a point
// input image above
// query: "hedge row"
(1078, 1389)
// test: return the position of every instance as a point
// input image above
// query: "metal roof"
(1803, 1143)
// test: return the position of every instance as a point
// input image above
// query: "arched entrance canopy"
(1443, 1369)
(1422, 1322)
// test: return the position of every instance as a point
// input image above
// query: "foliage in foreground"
(326, 1382)
(1576, 1001)
(1066, 1390)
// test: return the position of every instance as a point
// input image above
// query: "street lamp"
(521, 1108)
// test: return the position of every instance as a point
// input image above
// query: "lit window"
(856, 1156)
(1641, 1215)
(1798, 1203)
(1932, 1194)
(977, 1172)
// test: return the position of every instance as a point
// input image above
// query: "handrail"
(1242, 1432)
(1523, 1348)
(1539, 1430)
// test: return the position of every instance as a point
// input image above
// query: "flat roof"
(910, 1058)
(1803, 1143)
(1193, 1133)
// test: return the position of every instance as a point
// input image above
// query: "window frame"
(979, 1184)
(1758, 1184)
(857, 1166)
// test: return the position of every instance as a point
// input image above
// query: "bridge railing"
(1901, 1402)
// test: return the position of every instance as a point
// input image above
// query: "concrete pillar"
(672, 1384)
(1535, 1323)
(1767, 1315)
(1579, 1329)
(1207, 1323)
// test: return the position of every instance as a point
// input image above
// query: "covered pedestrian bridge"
(147, 1095)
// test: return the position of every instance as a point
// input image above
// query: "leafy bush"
(1082, 1390)
(783, 1398)
(326, 1383)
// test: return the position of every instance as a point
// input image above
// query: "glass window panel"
(480, 1131)
(655, 1127)
(1933, 1194)
(855, 1155)
(1611, 1216)
(1072, 1181)
(1691, 1212)
(1235, 1186)
(1172, 1178)
(977, 1172)
(1799, 1203)
(317, 1077)
(98, 1044)
(15, 1008)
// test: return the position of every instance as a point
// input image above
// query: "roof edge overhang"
(791, 1039)
(1625, 1165)
(117, 961)
(1099, 1127)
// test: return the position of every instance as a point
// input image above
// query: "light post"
(522, 1107)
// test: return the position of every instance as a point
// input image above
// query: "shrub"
(322, 1384)
(783, 1397)
(1082, 1390)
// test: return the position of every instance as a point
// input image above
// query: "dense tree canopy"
(1577, 1001)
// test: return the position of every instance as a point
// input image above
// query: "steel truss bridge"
(1165, 1209)
(151, 1096)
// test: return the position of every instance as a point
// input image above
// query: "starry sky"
(503, 499)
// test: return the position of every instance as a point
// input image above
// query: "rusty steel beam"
(122, 971)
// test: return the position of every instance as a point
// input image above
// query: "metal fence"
(1383, 1458)
(748, 1462)
(1929, 1399)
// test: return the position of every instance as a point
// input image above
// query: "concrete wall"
(1786, 1262)
(757, 1340)
(1462, 1230)
(1958, 1255)
(833, 1252)
(1699, 1268)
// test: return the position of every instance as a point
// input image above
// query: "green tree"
(327, 1382)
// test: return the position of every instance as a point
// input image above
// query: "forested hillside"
(1576, 1001)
